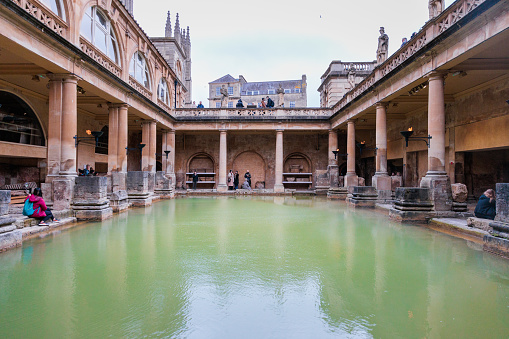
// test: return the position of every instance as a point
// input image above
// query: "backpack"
(28, 208)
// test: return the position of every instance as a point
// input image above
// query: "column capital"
(332, 131)
(223, 130)
(117, 105)
(351, 121)
(435, 75)
(69, 77)
(280, 130)
(381, 104)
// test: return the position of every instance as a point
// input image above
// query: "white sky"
(280, 39)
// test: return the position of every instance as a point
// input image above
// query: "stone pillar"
(112, 139)
(122, 138)
(62, 127)
(332, 168)
(436, 178)
(222, 187)
(164, 145)
(90, 199)
(170, 146)
(351, 178)
(69, 126)
(10, 237)
(153, 147)
(381, 179)
(145, 139)
(278, 182)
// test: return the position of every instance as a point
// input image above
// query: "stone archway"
(253, 162)
(204, 165)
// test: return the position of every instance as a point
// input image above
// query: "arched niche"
(18, 122)
(204, 165)
(297, 163)
(253, 162)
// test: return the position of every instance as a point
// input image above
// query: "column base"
(383, 184)
(362, 196)
(119, 201)
(222, 188)
(412, 205)
(498, 243)
(338, 193)
(279, 188)
(90, 200)
(140, 187)
(351, 180)
(333, 175)
(439, 185)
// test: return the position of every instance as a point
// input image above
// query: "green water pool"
(252, 268)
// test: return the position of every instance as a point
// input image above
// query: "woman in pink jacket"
(41, 211)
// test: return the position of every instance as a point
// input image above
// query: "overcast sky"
(279, 39)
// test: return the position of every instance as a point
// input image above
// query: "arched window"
(96, 28)
(18, 123)
(56, 7)
(138, 69)
(162, 91)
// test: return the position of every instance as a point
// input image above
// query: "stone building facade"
(293, 92)
(58, 87)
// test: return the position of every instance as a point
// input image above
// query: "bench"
(18, 191)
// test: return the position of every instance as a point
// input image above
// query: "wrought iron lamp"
(95, 135)
(336, 153)
(408, 135)
(165, 153)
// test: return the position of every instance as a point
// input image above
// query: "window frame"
(109, 47)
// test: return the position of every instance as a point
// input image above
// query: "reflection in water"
(252, 268)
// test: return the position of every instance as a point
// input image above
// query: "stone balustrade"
(255, 113)
(433, 28)
(98, 56)
(48, 18)
(140, 88)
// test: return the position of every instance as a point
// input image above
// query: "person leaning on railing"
(486, 208)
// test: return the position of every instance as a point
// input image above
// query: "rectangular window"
(230, 90)
(230, 104)
(292, 104)
(288, 90)
(272, 91)
(217, 91)
(297, 90)
(218, 104)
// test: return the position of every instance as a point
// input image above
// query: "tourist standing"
(263, 104)
(486, 206)
(236, 180)
(200, 105)
(230, 180)
(195, 179)
(240, 104)
(270, 102)
(41, 211)
(247, 176)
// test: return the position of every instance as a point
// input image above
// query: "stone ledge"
(479, 223)
(459, 225)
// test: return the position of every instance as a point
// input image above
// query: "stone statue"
(351, 75)
(224, 96)
(281, 96)
(383, 47)
(435, 7)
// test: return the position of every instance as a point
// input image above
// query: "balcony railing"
(47, 17)
(140, 88)
(255, 113)
(98, 56)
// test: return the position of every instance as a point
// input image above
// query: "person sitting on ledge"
(486, 208)
(41, 211)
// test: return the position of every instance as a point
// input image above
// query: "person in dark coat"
(195, 179)
(247, 176)
(270, 102)
(486, 208)
(236, 180)
(239, 104)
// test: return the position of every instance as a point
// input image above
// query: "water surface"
(252, 268)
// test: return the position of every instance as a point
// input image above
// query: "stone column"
(152, 146)
(164, 147)
(69, 126)
(332, 168)
(351, 178)
(381, 179)
(436, 178)
(112, 139)
(62, 127)
(222, 187)
(170, 146)
(54, 127)
(145, 139)
(122, 138)
(278, 182)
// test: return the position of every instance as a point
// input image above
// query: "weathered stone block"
(138, 188)
(333, 175)
(5, 199)
(396, 181)
(502, 202)
(482, 224)
(362, 196)
(382, 182)
(90, 199)
(440, 191)
(62, 193)
(163, 187)
(412, 204)
(339, 193)
(459, 192)
(496, 245)
(119, 201)
(10, 240)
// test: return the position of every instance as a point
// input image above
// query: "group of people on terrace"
(233, 180)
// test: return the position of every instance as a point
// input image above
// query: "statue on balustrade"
(383, 47)
(435, 8)
(224, 96)
(351, 75)
(281, 96)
